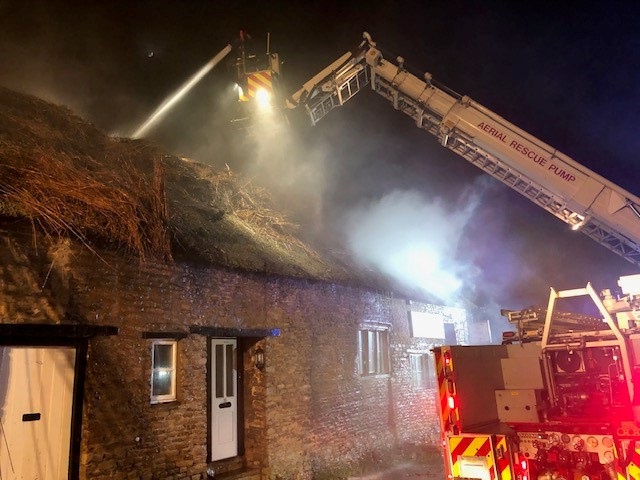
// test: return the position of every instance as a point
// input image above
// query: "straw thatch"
(68, 178)
(222, 218)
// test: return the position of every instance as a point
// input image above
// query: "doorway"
(36, 407)
(224, 398)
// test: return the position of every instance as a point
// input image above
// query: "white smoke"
(415, 239)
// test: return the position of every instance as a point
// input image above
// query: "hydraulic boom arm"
(578, 196)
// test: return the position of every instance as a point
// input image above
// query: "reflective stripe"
(632, 472)
(503, 459)
(471, 446)
(633, 469)
(259, 80)
(442, 388)
(449, 417)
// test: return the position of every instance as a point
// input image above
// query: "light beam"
(181, 92)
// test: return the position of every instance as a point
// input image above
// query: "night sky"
(567, 72)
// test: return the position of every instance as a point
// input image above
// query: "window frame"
(378, 350)
(424, 378)
(172, 396)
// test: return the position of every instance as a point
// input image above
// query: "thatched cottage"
(159, 320)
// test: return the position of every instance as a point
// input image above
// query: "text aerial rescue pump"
(557, 400)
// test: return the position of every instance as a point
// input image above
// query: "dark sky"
(567, 72)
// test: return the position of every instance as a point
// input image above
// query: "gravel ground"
(429, 467)
(407, 471)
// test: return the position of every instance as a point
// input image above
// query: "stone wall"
(308, 413)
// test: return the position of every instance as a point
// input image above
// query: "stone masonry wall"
(308, 413)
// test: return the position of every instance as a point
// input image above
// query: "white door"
(224, 411)
(36, 399)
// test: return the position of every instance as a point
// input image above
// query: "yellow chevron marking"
(471, 450)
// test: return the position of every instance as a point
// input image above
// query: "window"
(450, 337)
(422, 372)
(163, 370)
(373, 349)
(427, 325)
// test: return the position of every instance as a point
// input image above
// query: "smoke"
(260, 145)
(452, 251)
(415, 239)
(293, 170)
(114, 66)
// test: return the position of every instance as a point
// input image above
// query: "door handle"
(30, 417)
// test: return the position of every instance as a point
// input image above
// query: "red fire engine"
(554, 401)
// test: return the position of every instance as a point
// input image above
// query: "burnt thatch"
(68, 178)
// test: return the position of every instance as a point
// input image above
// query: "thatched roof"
(69, 178)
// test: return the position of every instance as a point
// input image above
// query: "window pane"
(229, 360)
(371, 354)
(219, 372)
(362, 351)
(163, 356)
(418, 377)
(413, 361)
(161, 383)
(163, 372)
(430, 373)
(383, 352)
(450, 334)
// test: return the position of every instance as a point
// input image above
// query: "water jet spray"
(181, 92)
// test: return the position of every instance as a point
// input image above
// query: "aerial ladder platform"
(568, 190)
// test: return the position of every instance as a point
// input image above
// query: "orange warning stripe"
(259, 80)
(471, 446)
(503, 458)
(632, 471)
(496, 456)
(443, 408)
(449, 417)
(442, 388)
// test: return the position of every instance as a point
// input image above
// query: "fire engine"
(556, 400)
